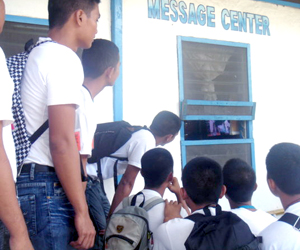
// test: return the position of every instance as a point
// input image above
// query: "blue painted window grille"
(216, 100)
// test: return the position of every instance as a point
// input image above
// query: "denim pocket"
(28, 206)
(58, 190)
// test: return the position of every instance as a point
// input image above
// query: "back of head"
(99, 57)
(239, 179)
(157, 164)
(60, 10)
(283, 166)
(165, 123)
(202, 179)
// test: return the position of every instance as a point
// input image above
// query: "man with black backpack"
(208, 227)
(127, 159)
(283, 176)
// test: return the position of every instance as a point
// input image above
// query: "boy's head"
(157, 167)
(102, 56)
(283, 167)
(165, 124)
(202, 180)
(239, 179)
(83, 14)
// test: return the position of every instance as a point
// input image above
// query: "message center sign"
(180, 11)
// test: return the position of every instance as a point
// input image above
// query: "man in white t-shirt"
(240, 182)
(10, 212)
(157, 171)
(101, 65)
(49, 186)
(164, 128)
(283, 175)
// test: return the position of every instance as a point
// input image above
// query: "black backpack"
(108, 138)
(223, 231)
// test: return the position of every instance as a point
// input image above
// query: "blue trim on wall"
(216, 142)
(284, 3)
(217, 117)
(29, 20)
(219, 103)
(117, 38)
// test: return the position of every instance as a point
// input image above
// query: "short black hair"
(202, 179)
(60, 10)
(165, 123)
(239, 179)
(99, 57)
(157, 164)
(283, 166)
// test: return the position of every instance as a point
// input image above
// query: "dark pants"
(98, 206)
(4, 237)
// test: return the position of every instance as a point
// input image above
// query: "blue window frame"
(216, 100)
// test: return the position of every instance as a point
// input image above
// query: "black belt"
(37, 168)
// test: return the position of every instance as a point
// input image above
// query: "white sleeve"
(6, 91)
(139, 146)
(64, 77)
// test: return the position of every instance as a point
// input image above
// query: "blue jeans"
(48, 213)
(4, 237)
(98, 207)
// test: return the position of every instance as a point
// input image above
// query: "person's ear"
(79, 16)
(170, 177)
(273, 187)
(183, 193)
(255, 187)
(223, 191)
(109, 72)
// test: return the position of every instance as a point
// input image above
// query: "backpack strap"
(153, 202)
(291, 219)
(39, 132)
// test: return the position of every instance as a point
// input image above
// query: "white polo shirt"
(281, 235)
(257, 220)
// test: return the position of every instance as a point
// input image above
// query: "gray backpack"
(128, 228)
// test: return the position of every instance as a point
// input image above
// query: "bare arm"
(10, 212)
(125, 187)
(66, 161)
(172, 210)
(175, 188)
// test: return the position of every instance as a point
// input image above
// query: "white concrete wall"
(150, 71)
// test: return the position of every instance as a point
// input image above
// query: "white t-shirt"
(6, 91)
(140, 142)
(86, 123)
(281, 235)
(256, 220)
(173, 234)
(53, 76)
(156, 214)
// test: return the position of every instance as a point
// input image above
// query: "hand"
(174, 186)
(19, 243)
(86, 232)
(172, 210)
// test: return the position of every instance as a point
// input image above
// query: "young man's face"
(90, 28)
(2, 15)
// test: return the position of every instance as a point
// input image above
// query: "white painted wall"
(150, 71)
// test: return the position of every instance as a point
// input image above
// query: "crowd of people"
(57, 199)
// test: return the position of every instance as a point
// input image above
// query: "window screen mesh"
(214, 72)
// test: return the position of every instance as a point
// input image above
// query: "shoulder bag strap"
(291, 219)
